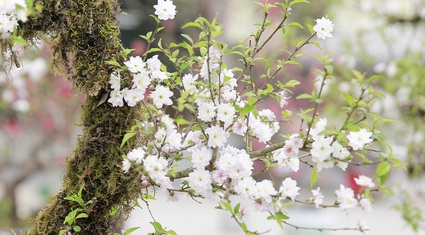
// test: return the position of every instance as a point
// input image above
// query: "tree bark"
(84, 35)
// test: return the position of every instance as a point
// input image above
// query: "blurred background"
(39, 113)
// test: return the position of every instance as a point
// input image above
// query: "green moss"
(83, 35)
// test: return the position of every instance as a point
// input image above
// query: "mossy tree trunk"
(83, 35)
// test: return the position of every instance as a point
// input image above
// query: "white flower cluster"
(347, 200)
(208, 94)
(11, 11)
(326, 152)
(144, 73)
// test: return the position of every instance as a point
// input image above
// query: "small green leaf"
(130, 230)
(383, 168)
(82, 215)
(227, 206)
(63, 231)
(314, 177)
(113, 62)
(148, 197)
(296, 24)
(157, 226)
(127, 136)
(304, 96)
(76, 228)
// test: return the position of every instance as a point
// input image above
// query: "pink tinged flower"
(321, 149)
(200, 181)
(115, 80)
(296, 140)
(136, 155)
(133, 96)
(161, 96)
(206, 111)
(240, 127)
(220, 176)
(317, 197)
(289, 189)
(126, 164)
(364, 181)
(135, 64)
(116, 98)
(323, 28)
(358, 139)
(165, 9)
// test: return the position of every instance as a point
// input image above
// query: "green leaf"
(236, 209)
(148, 197)
(18, 40)
(382, 171)
(82, 215)
(304, 96)
(63, 231)
(313, 178)
(247, 109)
(227, 206)
(350, 100)
(171, 232)
(154, 49)
(127, 136)
(76, 228)
(383, 168)
(191, 24)
(296, 24)
(130, 230)
(113, 62)
(157, 226)
(291, 83)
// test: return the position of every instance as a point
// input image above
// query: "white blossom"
(136, 155)
(161, 96)
(364, 181)
(116, 98)
(165, 9)
(133, 96)
(206, 111)
(200, 181)
(345, 198)
(289, 189)
(135, 64)
(323, 28)
(217, 136)
(317, 197)
(321, 149)
(358, 139)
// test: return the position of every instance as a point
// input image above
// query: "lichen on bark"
(84, 35)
